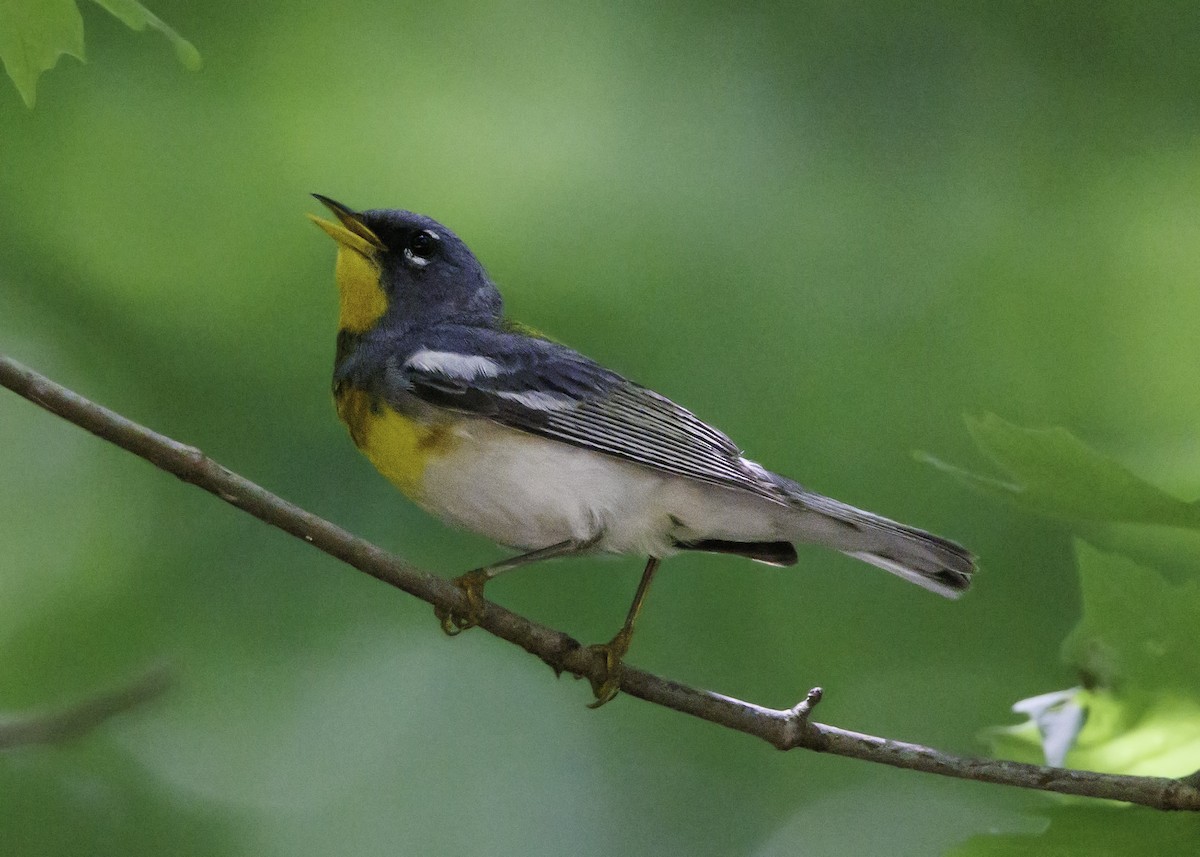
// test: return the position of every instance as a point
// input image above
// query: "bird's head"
(394, 264)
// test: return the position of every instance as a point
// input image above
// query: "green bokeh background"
(829, 229)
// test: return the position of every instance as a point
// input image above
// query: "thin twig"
(55, 727)
(785, 729)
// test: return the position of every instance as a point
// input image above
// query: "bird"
(496, 428)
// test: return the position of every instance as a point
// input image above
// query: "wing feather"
(549, 390)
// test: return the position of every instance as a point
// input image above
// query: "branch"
(785, 729)
(56, 727)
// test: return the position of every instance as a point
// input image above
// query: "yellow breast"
(399, 446)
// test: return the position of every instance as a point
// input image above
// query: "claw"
(471, 584)
(612, 652)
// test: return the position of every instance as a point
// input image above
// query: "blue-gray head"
(398, 265)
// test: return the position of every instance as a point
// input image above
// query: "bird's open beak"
(349, 231)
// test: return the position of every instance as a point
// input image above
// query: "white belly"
(528, 492)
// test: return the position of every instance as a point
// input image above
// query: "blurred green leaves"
(137, 17)
(1139, 633)
(35, 33)
(1136, 647)
(1053, 473)
(1050, 472)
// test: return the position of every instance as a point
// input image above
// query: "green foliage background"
(829, 229)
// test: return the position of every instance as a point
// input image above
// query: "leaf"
(137, 17)
(1137, 645)
(1139, 633)
(35, 33)
(1138, 648)
(1156, 736)
(1173, 551)
(1054, 473)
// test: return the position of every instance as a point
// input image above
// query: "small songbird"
(495, 428)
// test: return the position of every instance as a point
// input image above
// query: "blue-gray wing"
(549, 390)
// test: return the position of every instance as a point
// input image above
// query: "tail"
(929, 561)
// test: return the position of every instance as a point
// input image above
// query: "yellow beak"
(349, 231)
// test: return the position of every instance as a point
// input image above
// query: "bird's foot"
(471, 584)
(609, 684)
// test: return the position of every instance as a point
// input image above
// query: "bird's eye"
(422, 247)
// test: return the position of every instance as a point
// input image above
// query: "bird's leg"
(614, 650)
(473, 582)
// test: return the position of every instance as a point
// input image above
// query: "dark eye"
(423, 246)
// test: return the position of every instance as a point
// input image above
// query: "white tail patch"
(912, 575)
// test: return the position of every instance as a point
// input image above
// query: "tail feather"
(929, 561)
(944, 581)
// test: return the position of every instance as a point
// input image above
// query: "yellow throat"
(357, 271)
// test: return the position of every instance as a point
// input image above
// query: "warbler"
(495, 428)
